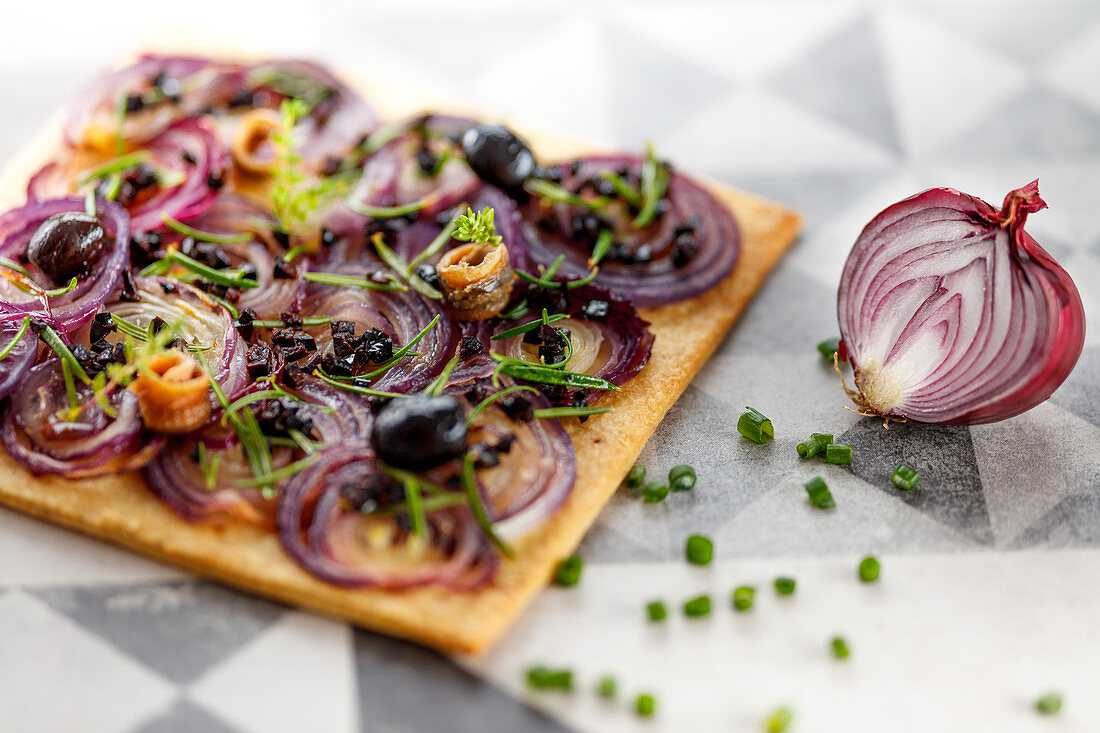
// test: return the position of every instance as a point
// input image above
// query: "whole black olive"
(420, 431)
(67, 245)
(498, 156)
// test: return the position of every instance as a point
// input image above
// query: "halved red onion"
(951, 313)
(190, 150)
(343, 546)
(77, 307)
(93, 118)
(609, 339)
(38, 435)
(21, 355)
(656, 279)
(206, 325)
(400, 315)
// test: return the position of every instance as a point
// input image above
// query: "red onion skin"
(1010, 375)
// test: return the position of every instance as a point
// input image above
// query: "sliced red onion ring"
(657, 280)
(189, 150)
(206, 325)
(38, 435)
(609, 339)
(77, 307)
(21, 355)
(401, 315)
(93, 120)
(951, 313)
(345, 547)
(338, 120)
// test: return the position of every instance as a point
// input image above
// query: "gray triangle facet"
(1034, 124)
(1080, 393)
(950, 487)
(790, 298)
(817, 195)
(841, 79)
(405, 688)
(185, 717)
(654, 89)
(1074, 522)
(179, 629)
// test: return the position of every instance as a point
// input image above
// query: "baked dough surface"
(121, 510)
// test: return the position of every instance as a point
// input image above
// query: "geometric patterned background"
(991, 567)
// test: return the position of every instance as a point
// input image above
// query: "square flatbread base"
(121, 510)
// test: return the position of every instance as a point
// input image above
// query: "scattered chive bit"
(681, 478)
(755, 427)
(656, 611)
(742, 597)
(544, 678)
(808, 448)
(784, 586)
(828, 348)
(697, 607)
(868, 569)
(645, 705)
(569, 571)
(840, 648)
(819, 493)
(904, 477)
(778, 721)
(823, 439)
(838, 453)
(606, 687)
(635, 478)
(1049, 704)
(700, 549)
(654, 492)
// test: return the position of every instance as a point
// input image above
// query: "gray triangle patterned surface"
(185, 717)
(950, 489)
(841, 79)
(200, 623)
(1073, 522)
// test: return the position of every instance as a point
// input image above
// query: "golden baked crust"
(121, 510)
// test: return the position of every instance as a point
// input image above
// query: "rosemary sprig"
(519, 310)
(439, 383)
(603, 246)
(348, 281)
(655, 178)
(314, 321)
(529, 372)
(623, 188)
(484, 404)
(280, 473)
(354, 387)
(115, 165)
(229, 278)
(437, 244)
(403, 269)
(253, 442)
(477, 506)
(549, 191)
(293, 198)
(385, 212)
(555, 412)
(529, 326)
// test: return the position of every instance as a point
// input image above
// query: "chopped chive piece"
(1049, 704)
(654, 492)
(681, 478)
(828, 348)
(699, 549)
(697, 607)
(823, 439)
(742, 597)
(838, 453)
(645, 705)
(904, 477)
(778, 721)
(179, 226)
(569, 571)
(544, 678)
(819, 493)
(656, 611)
(635, 477)
(840, 647)
(755, 427)
(606, 687)
(868, 569)
(808, 448)
(785, 586)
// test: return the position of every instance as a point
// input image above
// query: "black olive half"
(498, 156)
(419, 431)
(67, 245)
